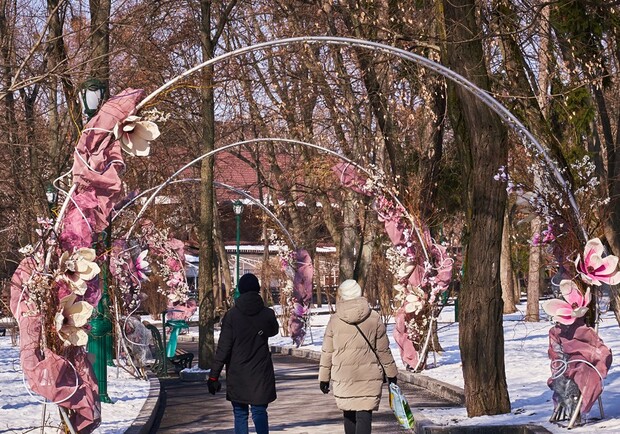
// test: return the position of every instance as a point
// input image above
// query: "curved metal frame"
(484, 96)
(266, 140)
(222, 185)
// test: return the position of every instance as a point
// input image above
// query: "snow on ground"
(21, 413)
(527, 370)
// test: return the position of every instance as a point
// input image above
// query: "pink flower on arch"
(174, 264)
(574, 305)
(143, 268)
(176, 279)
(594, 269)
(300, 309)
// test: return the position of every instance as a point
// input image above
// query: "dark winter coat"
(243, 348)
(348, 360)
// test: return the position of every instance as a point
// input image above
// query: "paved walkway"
(300, 408)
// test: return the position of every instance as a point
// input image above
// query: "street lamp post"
(99, 341)
(238, 209)
(92, 92)
(51, 194)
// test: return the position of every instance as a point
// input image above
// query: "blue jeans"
(259, 417)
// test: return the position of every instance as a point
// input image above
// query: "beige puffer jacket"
(348, 361)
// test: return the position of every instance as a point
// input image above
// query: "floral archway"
(56, 287)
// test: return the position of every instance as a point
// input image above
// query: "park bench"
(182, 359)
(10, 325)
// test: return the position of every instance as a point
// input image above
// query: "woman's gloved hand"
(213, 385)
(324, 385)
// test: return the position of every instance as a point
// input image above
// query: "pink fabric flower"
(594, 269)
(300, 309)
(548, 235)
(349, 177)
(173, 264)
(175, 279)
(574, 305)
(143, 268)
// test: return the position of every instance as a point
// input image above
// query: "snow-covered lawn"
(21, 413)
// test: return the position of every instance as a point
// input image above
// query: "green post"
(163, 336)
(99, 342)
(109, 344)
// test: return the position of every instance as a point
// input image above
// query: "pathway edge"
(146, 417)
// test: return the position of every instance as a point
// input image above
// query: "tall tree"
(211, 27)
(484, 148)
(100, 40)
(506, 270)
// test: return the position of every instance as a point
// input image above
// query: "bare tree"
(483, 149)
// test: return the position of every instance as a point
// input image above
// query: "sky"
(527, 371)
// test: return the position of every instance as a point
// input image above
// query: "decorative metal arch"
(222, 185)
(481, 94)
(266, 140)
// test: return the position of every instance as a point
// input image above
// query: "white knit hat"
(349, 289)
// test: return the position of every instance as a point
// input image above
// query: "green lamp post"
(237, 209)
(50, 195)
(99, 341)
(92, 92)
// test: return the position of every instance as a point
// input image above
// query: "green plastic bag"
(400, 407)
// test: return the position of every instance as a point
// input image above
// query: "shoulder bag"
(372, 349)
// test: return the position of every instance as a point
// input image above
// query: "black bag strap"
(369, 344)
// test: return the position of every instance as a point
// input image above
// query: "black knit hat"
(248, 282)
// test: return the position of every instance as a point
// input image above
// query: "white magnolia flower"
(404, 271)
(413, 304)
(71, 319)
(136, 135)
(399, 288)
(26, 250)
(78, 268)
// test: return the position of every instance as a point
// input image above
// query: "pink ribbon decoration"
(408, 353)
(48, 374)
(349, 177)
(302, 295)
(67, 379)
(580, 342)
(302, 283)
(98, 159)
(396, 223)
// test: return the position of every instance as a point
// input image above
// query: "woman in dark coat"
(243, 348)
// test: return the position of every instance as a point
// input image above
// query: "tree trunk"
(317, 279)
(484, 147)
(206, 320)
(532, 312)
(506, 272)
(349, 237)
(100, 41)
(517, 287)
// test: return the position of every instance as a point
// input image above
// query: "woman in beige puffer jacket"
(349, 362)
